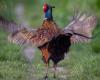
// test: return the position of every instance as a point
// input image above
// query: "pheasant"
(52, 41)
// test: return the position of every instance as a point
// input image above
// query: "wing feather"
(37, 38)
(22, 35)
(19, 34)
(81, 28)
(11, 26)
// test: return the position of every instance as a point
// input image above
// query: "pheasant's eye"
(45, 7)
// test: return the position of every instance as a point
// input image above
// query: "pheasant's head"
(48, 11)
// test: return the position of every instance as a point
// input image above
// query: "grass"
(84, 65)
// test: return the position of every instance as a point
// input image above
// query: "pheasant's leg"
(46, 76)
(45, 58)
(55, 68)
(45, 55)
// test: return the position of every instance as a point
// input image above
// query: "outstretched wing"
(17, 32)
(11, 26)
(37, 38)
(81, 28)
(23, 35)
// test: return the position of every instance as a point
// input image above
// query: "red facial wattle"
(45, 8)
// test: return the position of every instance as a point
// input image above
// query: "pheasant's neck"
(48, 14)
(51, 25)
(48, 24)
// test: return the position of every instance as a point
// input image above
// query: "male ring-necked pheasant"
(49, 38)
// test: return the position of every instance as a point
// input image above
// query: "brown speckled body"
(57, 45)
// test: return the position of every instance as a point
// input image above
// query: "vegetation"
(81, 63)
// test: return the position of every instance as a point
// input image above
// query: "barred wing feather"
(81, 28)
(37, 38)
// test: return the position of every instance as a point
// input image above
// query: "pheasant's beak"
(53, 6)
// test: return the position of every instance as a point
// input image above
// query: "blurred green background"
(83, 60)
